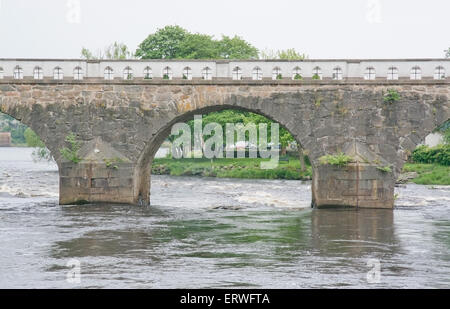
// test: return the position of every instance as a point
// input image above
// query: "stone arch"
(27, 117)
(417, 115)
(143, 166)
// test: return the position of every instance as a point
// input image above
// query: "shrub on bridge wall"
(338, 160)
(439, 154)
(71, 154)
(392, 96)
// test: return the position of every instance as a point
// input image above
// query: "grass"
(339, 160)
(230, 168)
(429, 174)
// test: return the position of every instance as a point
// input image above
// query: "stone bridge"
(329, 106)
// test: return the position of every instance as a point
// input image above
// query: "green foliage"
(32, 139)
(229, 168)
(15, 127)
(164, 44)
(236, 48)
(391, 96)
(115, 51)
(87, 54)
(287, 54)
(340, 160)
(316, 77)
(243, 117)
(298, 77)
(439, 154)
(172, 42)
(165, 76)
(384, 169)
(112, 162)
(71, 153)
(40, 153)
(447, 136)
(429, 174)
(279, 76)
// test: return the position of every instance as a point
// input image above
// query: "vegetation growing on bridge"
(71, 153)
(391, 96)
(340, 159)
(385, 169)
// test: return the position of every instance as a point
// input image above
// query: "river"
(216, 233)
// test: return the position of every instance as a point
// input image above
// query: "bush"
(71, 154)
(339, 160)
(439, 154)
(392, 96)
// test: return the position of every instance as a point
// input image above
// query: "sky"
(323, 29)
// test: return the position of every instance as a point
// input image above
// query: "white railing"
(66, 69)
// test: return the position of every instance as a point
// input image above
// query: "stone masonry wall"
(133, 119)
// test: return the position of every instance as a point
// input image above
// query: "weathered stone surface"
(129, 122)
(355, 185)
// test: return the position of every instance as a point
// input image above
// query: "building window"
(317, 73)
(257, 74)
(109, 73)
(370, 73)
(337, 73)
(148, 74)
(78, 73)
(128, 73)
(187, 73)
(18, 73)
(167, 73)
(439, 73)
(237, 73)
(297, 73)
(1, 73)
(276, 73)
(392, 73)
(58, 73)
(38, 73)
(416, 73)
(207, 74)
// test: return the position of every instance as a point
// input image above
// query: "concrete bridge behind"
(121, 112)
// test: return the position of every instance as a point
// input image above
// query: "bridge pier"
(94, 182)
(356, 185)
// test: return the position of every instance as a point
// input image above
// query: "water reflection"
(354, 233)
(219, 233)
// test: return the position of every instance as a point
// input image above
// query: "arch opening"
(294, 163)
(27, 165)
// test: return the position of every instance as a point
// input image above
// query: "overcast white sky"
(319, 28)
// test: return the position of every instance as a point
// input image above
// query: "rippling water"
(215, 233)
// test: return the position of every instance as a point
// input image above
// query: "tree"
(115, 51)
(236, 48)
(118, 51)
(286, 54)
(40, 153)
(87, 54)
(174, 42)
(164, 44)
(198, 46)
(291, 54)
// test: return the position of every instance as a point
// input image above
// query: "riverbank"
(246, 168)
(428, 174)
